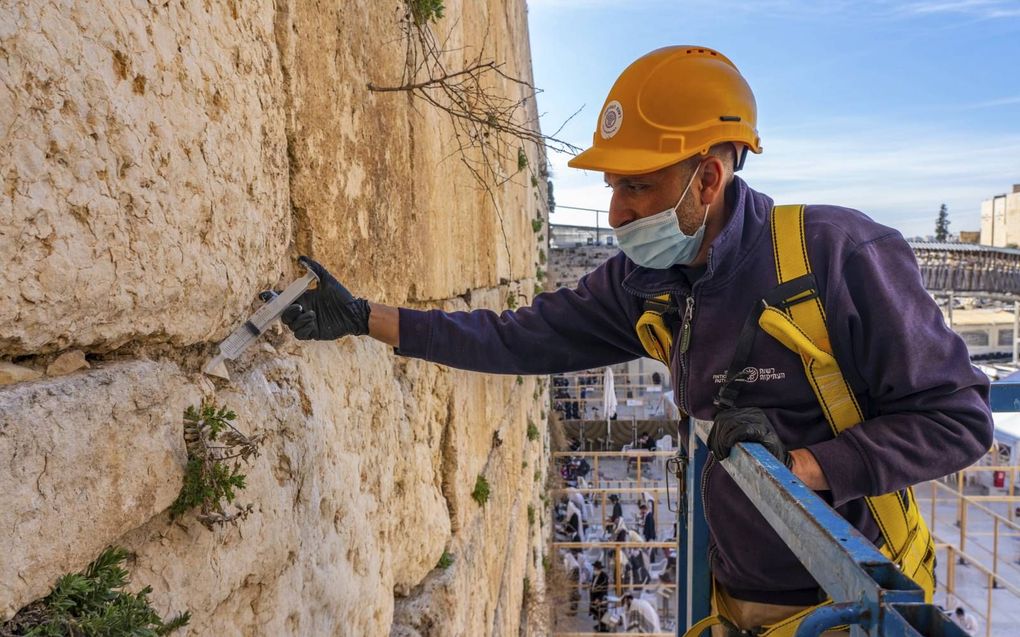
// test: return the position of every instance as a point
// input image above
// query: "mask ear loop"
(681, 200)
(684, 193)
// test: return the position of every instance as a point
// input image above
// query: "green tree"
(942, 224)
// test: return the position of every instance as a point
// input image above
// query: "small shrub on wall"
(91, 603)
(481, 491)
(216, 450)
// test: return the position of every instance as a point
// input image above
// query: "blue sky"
(889, 107)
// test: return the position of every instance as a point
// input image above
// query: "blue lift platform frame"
(868, 591)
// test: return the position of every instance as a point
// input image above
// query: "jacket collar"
(751, 211)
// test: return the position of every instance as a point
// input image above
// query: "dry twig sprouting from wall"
(486, 105)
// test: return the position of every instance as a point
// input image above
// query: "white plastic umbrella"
(608, 396)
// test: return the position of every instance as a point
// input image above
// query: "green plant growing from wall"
(533, 432)
(425, 11)
(216, 450)
(445, 561)
(531, 515)
(481, 491)
(536, 225)
(91, 603)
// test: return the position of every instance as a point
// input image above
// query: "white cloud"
(975, 8)
(992, 103)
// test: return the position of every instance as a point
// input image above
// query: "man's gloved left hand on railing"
(745, 424)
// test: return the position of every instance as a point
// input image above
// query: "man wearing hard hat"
(805, 328)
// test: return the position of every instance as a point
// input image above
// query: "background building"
(1000, 219)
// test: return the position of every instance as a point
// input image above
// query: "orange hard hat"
(668, 105)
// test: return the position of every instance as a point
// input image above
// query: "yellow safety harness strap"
(652, 330)
(797, 320)
(794, 315)
(699, 627)
(801, 328)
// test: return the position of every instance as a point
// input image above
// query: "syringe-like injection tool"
(258, 323)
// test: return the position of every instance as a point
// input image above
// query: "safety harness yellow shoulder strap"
(908, 542)
(793, 314)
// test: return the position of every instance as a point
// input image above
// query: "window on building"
(975, 338)
(1006, 337)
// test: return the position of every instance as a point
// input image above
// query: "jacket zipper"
(686, 327)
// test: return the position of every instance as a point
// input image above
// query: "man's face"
(639, 196)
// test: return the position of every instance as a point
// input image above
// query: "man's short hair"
(959, 611)
(725, 152)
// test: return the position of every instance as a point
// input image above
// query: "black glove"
(745, 424)
(327, 312)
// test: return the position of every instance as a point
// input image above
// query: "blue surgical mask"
(657, 241)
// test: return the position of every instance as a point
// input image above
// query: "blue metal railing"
(1004, 396)
(868, 591)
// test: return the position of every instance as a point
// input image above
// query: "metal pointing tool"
(258, 323)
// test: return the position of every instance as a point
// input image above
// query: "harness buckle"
(661, 307)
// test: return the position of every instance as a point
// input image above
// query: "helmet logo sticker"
(612, 119)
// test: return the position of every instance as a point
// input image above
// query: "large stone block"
(143, 159)
(84, 459)
(380, 187)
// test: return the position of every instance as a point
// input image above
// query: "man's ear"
(713, 180)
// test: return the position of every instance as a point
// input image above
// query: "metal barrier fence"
(997, 565)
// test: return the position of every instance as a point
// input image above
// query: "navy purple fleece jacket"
(925, 405)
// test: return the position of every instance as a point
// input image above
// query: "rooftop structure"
(1000, 219)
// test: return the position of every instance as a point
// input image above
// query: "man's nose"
(620, 214)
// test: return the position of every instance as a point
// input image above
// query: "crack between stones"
(301, 232)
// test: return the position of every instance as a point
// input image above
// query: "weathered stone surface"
(83, 460)
(421, 227)
(67, 362)
(354, 492)
(161, 164)
(144, 167)
(11, 373)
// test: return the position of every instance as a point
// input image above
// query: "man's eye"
(634, 188)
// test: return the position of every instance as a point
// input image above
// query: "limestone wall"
(161, 163)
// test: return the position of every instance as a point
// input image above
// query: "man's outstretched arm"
(384, 324)
(568, 329)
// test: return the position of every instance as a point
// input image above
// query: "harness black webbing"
(784, 295)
